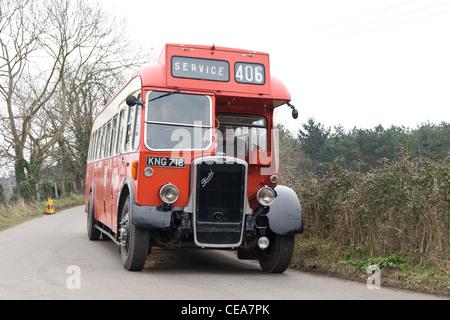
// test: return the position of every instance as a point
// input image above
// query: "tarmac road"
(51, 258)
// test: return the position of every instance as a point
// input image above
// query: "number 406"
(250, 73)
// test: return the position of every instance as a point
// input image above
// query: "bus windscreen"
(178, 121)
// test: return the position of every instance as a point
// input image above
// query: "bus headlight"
(265, 196)
(169, 193)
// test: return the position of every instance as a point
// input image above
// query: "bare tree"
(20, 29)
(111, 58)
(52, 54)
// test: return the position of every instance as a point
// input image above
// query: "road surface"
(51, 258)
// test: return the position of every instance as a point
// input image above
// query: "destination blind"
(201, 69)
(217, 70)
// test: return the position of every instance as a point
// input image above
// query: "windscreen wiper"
(164, 95)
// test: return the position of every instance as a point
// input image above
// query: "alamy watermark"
(74, 280)
(257, 147)
(374, 281)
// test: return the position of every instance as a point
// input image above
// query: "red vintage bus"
(185, 156)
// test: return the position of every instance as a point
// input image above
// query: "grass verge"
(320, 257)
(12, 215)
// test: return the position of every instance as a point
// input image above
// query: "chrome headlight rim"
(167, 188)
(262, 193)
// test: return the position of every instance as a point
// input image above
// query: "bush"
(2, 195)
(401, 207)
(26, 191)
(46, 189)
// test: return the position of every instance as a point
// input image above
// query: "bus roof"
(224, 71)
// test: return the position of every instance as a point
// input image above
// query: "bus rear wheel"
(92, 232)
(134, 241)
(277, 257)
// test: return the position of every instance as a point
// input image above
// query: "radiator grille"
(220, 202)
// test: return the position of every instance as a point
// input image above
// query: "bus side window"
(94, 147)
(97, 134)
(137, 127)
(119, 146)
(91, 142)
(113, 136)
(99, 142)
(108, 139)
(94, 136)
(129, 129)
(102, 143)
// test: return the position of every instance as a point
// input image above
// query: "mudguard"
(285, 213)
(146, 216)
(150, 217)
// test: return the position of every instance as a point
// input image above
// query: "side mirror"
(132, 101)
(294, 111)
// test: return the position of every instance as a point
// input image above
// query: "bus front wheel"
(278, 256)
(92, 231)
(134, 241)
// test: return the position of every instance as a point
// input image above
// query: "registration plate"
(166, 162)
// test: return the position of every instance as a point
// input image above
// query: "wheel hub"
(123, 232)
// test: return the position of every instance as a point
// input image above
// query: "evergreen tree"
(313, 139)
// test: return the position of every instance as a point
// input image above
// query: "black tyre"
(134, 241)
(278, 256)
(92, 232)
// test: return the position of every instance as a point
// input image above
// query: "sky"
(354, 63)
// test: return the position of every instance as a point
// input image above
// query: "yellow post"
(50, 207)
